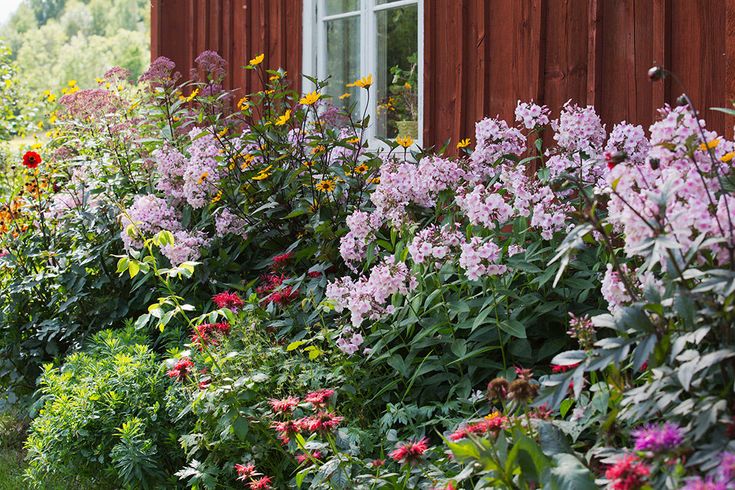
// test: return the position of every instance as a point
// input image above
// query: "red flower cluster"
(280, 261)
(181, 369)
(209, 333)
(556, 368)
(228, 299)
(315, 274)
(31, 159)
(492, 424)
(629, 473)
(248, 473)
(301, 458)
(275, 291)
(410, 452)
(323, 421)
(319, 398)
(285, 405)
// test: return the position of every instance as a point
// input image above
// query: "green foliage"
(101, 416)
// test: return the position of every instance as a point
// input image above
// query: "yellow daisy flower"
(257, 60)
(463, 143)
(326, 185)
(284, 118)
(364, 82)
(310, 99)
(405, 142)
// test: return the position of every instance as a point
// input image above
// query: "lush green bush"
(102, 417)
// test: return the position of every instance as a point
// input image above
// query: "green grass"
(11, 469)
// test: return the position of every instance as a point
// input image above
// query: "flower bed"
(331, 316)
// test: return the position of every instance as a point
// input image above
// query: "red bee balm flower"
(629, 473)
(31, 159)
(280, 261)
(410, 452)
(263, 483)
(319, 397)
(245, 471)
(284, 405)
(181, 369)
(228, 299)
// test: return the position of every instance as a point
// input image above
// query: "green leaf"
(514, 328)
(569, 472)
(133, 268)
(295, 345)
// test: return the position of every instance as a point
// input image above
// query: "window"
(348, 39)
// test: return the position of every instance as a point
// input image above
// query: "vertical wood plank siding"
(481, 56)
(236, 29)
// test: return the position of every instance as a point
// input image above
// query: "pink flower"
(285, 405)
(245, 471)
(320, 397)
(209, 333)
(658, 439)
(377, 463)
(263, 483)
(321, 422)
(629, 473)
(410, 452)
(492, 424)
(301, 458)
(228, 299)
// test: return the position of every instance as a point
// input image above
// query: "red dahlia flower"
(31, 159)
(228, 299)
(410, 452)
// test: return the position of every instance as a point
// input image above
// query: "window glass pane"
(397, 80)
(341, 6)
(381, 2)
(343, 58)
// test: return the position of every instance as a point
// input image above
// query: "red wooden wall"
(481, 56)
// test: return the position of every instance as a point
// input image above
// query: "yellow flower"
(217, 197)
(246, 160)
(72, 83)
(257, 60)
(51, 97)
(463, 143)
(190, 97)
(223, 132)
(353, 141)
(375, 180)
(727, 157)
(36, 146)
(318, 149)
(52, 118)
(364, 82)
(270, 92)
(344, 96)
(325, 185)
(405, 142)
(99, 80)
(310, 99)
(277, 76)
(243, 104)
(203, 177)
(710, 145)
(263, 174)
(407, 86)
(361, 169)
(309, 163)
(39, 125)
(284, 118)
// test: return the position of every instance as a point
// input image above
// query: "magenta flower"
(658, 439)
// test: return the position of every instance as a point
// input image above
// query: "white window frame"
(314, 51)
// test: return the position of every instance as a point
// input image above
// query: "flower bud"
(497, 389)
(654, 163)
(655, 73)
(682, 100)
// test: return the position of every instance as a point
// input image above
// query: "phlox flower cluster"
(549, 214)
(614, 290)
(149, 214)
(366, 297)
(495, 140)
(186, 247)
(673, 190)
(228, 223)
(350, 341)
(403, 183)
(353, 245)
(479, 258)
(435, 244)
(532, 115)
(170, 165)
(484, 206)
(630, 140)
(579, 129)
(202, 173)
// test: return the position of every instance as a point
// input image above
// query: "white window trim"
(314, 38)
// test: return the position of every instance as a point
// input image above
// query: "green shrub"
(102, 417)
